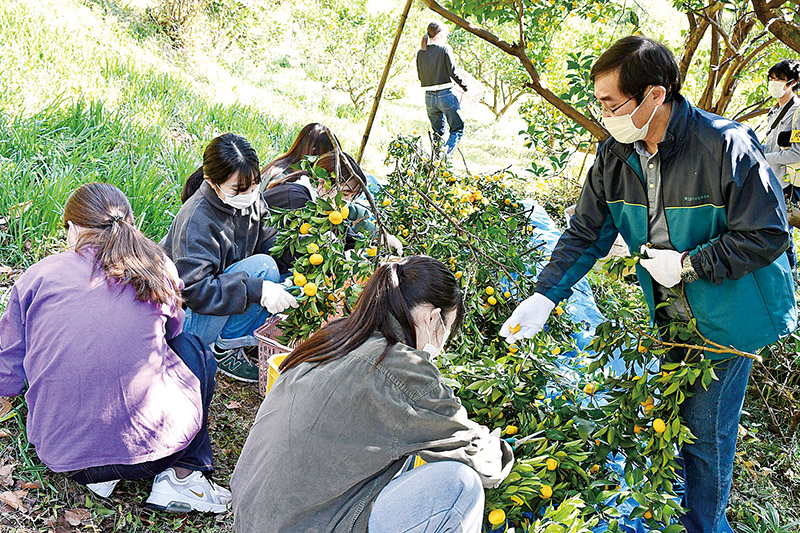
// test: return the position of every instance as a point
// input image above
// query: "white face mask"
(777, 88)
(240, 201)
(429, 347)
(624, 130)
(72, 235)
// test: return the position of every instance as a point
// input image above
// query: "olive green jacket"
(328, 438)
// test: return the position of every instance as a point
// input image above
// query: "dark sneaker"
(234, 363)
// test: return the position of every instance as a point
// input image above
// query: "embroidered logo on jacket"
(696, 198)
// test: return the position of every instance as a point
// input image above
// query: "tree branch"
(518, 50)
(772, 19)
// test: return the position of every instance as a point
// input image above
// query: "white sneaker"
(104, 488)
(195, 492)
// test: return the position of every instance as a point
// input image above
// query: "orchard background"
(130, 92)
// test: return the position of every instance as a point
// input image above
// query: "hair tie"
(115, 218)
(394, 280)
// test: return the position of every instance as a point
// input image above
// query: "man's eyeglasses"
(598, 109)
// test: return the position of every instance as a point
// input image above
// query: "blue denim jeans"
(441, 496)
(792, 194)
(235, 331)
(197, 455)
(441, 105)
(713, 417)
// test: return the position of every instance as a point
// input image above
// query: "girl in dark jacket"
(220, 243)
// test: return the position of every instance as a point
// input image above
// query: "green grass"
(92, 91)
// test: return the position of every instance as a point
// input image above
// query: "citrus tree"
(565, 416)
(328, 278)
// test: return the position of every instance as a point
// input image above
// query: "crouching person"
(333, 440)
(115, 389)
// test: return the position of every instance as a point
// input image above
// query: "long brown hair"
(313, 139)
(338, 176)
(388, 298)
(122, 252)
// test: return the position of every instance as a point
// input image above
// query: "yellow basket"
(268, 348)
(273, 371)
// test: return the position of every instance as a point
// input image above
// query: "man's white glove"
(663, 265)
(528, 318)
(394, 243)
(276, 298)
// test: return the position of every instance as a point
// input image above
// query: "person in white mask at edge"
(783, 155)
(220, 242)
(694, 191)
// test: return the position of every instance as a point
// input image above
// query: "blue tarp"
(582, 309)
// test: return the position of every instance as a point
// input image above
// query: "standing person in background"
(220, 244)
(115, 390)
(437, 72)
(313, 139)
(783, 119)
(697, 189)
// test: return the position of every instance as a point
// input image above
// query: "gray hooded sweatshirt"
(206, 237)
(328, 438)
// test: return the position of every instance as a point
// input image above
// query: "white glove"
(528, 318)
(394, 243)
(276, 298)
(663, 265)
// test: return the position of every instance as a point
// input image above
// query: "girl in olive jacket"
(332, 440)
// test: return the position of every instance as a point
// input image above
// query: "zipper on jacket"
(642, 181)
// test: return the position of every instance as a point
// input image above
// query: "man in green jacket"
(693, 191)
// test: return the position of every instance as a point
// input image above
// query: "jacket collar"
(674, 136)
(211, 195)
(395, 326)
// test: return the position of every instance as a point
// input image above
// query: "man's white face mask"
(624, 130)
(429, 347)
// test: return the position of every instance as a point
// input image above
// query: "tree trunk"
(518, 50)
(771, 17)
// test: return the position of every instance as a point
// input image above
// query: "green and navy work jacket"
(722, 204)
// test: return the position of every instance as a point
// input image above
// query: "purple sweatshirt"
(104, 387)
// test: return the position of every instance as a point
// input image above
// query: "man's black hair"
(789, 70)
(641, 62)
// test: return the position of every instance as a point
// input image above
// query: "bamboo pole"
(388, 66)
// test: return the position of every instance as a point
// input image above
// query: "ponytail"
(434, 29)
(192, 184)
(386, 302)
(121, 251)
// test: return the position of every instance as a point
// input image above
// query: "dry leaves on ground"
(75, 516)
(13, 499)
(6, 478)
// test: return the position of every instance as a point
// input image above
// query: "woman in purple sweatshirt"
(115, 390)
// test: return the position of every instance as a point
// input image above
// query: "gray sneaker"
(195, 492)
(236, 364)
